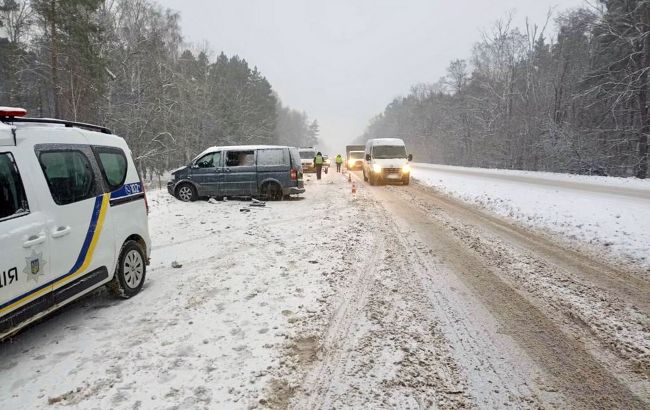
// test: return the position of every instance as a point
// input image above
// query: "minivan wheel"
(271, 192)
(130, 272)
(186, 193)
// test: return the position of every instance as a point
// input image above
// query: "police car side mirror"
(410, 157)
(368, 158)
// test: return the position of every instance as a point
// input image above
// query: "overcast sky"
(343, 61)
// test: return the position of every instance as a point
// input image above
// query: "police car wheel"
(186, 193)
(131, 271)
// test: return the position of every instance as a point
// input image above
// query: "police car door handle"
(60, 231)
(33, 241)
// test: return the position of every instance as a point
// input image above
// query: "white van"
(386, 160)
(73, 216)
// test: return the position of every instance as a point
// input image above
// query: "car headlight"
(406, 169)
(376, 168)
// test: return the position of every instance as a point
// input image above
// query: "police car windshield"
(307, 154)
(389, 151)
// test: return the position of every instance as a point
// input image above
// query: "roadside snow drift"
(610, 214)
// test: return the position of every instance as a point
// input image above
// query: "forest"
(124, 64)
(575, 101)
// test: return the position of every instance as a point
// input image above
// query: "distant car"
(265, 171)
(307, 159)
(73, 216)
(327, 162)
(355, 160)
(386, 160)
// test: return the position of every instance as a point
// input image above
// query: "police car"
(73, 216)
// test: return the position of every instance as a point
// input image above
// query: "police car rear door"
(24, 263)
(82, 243)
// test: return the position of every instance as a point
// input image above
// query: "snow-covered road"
(394, 297)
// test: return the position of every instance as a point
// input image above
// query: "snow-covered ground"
(209, 334)
(608, 214)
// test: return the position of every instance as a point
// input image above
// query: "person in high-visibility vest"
(318, 164)
(339, 161)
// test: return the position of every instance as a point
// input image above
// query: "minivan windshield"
(389, 151)
(356, 154)
(307, 154)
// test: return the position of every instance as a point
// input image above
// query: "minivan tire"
(186, 193)
(271, 191)
(130, 272)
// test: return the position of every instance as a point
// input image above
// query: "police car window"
(13, 201)
(240, 158)
(112, 162)
(271, 157)
(69, 175)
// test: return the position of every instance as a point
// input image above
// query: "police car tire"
(119, 286)
(192, 193)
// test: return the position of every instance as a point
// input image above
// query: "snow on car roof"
(387, 141)
(239, 147)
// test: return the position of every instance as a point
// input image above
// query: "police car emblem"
(34, 266)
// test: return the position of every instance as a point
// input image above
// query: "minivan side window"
(210, 160)
(240, 158)
(13, 201)
(113, 165)
(69, 175)
(271, 157)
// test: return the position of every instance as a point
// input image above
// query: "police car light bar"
(10, 112)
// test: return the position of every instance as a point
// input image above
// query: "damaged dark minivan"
(261, 171)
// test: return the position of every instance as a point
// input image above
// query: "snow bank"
(610, 214)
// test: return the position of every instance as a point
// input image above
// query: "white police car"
(73, 216)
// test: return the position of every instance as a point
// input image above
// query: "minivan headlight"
(406, 169)
(376, 168)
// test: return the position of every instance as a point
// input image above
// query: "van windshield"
(389, 151)
(307, 154)
(356, 154)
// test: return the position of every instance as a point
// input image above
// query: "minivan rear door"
(239, 173)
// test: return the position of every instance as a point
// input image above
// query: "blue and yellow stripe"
(80, 266)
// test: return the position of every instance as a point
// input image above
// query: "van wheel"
(371, 180)
(406, 181)
(271, 191)
(130, 272)
(186, 193)
(365, 178)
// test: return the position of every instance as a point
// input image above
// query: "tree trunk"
(54, 60)
(644, 130)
